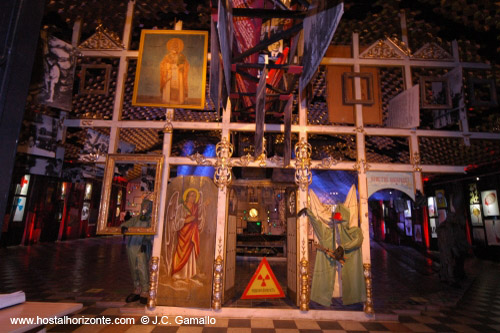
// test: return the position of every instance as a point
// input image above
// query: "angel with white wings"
(184, 223)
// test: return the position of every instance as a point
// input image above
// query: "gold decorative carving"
(223, 175)
(87, 123)
(361, 165)
(304, 285)
(200, 159)
(102, 39)
(276, 159)
(217, 286)
(303, 175)
(245, 160)
(368, 308)
(432, 51)
(153, 282)
(416, 162)
(381, 50)
(328, 162)
(359, 129)
(400, 45)
(169, 117)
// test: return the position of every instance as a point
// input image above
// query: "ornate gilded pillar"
(223, 175)
(153, 282)
(217, 286)
(304, 284)
(367, 271)
(303, 175)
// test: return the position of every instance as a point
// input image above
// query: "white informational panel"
(379, 180)
(404, 109)
(493, 232)
(489, 199)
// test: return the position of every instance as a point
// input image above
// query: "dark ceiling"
(473, 20)
(474, 24)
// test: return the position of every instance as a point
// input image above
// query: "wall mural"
(188, 245)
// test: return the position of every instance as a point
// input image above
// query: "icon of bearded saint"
(185, 221)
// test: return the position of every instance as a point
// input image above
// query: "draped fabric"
(351, 239)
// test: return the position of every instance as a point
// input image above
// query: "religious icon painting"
(171, 69)
(188, 245)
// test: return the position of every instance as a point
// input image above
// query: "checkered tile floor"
(94, 272)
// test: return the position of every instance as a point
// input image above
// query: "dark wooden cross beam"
(268, 13)
(255, 79)
(293, 69)
(266, 42)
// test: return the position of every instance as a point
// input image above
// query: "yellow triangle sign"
(263, 284)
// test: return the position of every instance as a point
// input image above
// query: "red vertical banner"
(247, 33)
(425, 224)
(382, 221)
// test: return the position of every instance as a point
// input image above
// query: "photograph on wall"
(401, 227)
(441, 215)
(431, 205)
(18, 208)
(171, 69)
(407, 211)
(433, 225)
(53, 73)
(41, 136)
(440, 199)
(492, 231)
(88, 191)
(478, 236)
(22, 187)
(408, 228)
(85, 211)
(187, 254)
(44, 166)
(489, 199)
(475, 215)
(418, 233)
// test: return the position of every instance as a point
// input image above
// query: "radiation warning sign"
(263, 283)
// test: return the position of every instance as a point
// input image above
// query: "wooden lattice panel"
(340, 147)
(387, 149)
(453, 151)
(186, 143)
(144, 139)
(481, 118)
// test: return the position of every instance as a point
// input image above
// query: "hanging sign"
(263, 284)
(402, 181)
